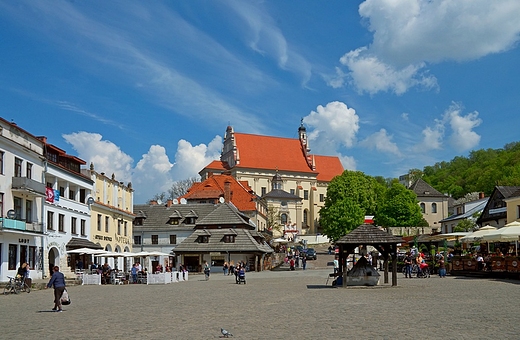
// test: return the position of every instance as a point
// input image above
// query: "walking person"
(304, 262)
(408, 265)
(442, 268)
(58, 282)
(207, 270)
(225, 268)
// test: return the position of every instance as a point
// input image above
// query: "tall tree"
(180, 188)
(350, 197)
(399, 208)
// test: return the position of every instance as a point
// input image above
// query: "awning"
(77, 242)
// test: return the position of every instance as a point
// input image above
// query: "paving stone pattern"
(272, 305)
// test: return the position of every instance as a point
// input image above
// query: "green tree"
(350, 197)
(340, 218)
(273, 219)
(464, 226)
(399, 208)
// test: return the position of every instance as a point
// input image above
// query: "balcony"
(28, 186)
(6, 223)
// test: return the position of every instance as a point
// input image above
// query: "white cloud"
(369, 74)
(153, 173)
(106, 156)
(189, 159)
(462, 137)
(409, 34)
(461, 134)
(333, 124)
(266, 38)
(349, 163)
(382, 142)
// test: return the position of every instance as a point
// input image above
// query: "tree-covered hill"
(481, 171)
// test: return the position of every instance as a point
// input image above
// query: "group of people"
(419, 260)
(294, 259)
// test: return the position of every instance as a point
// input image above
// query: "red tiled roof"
(217, 165)
(242, 195)
(328, 167)
(265, 152)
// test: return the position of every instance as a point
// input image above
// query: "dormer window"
(173, 221)
(229, 239)
(203, 239)
(138, 221)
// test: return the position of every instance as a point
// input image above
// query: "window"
(423, 207)
(322, 198)
(17, 167)
(229, 239)
(99, 222)
(61, 222)
(283, 218)
(203, 239)
(83, 228)
(305, 194)
(174, 221)
(126, 228)
(82, 195)
(434, 208)
(31, 261)
(264, 191)
(190, 220)
(72, 194)
(1, 162)
(138, 221)
(62, 192)
(305, 217)
(119, 227)
(173, 239)
(137, 239)
(28, 172)
(293, 192)
(50, 220)
(155, 239)
(73, 221)
(1, 205)
(18, 207)
(107, 222)
(28, 211)
(517, 211)
(12, 256)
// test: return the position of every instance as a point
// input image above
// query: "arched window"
(283, 218)
(305, 218)
(434, 208)
(423, 208)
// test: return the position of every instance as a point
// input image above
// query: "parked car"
(311, 254)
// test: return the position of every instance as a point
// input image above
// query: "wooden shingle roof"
(368, 234)
(247, 241)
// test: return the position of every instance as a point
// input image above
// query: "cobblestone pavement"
(272, 305)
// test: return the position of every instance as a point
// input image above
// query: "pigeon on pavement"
(225, 334)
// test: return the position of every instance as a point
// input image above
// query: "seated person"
(480, 262)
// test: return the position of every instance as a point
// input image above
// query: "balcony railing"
(28, 185)
(7, 223)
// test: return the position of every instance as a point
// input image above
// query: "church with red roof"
(257, 159)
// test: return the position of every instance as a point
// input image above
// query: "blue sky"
(146, 90)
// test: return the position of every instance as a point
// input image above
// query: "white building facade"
(22, 193)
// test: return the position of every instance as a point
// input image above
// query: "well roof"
(368, 234)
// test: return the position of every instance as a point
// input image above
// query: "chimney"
(227, 191)
(481, 195)
(169, 203)
(153, 202)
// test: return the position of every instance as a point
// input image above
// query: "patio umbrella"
(477, 235)
(88, 251)
(280, 240)
(508, 233)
